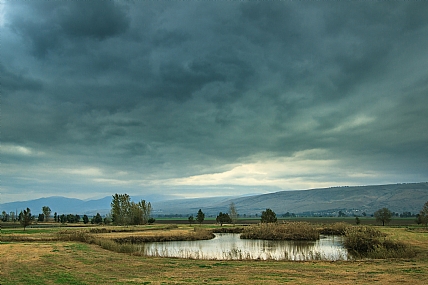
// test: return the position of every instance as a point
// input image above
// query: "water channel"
(231, 247)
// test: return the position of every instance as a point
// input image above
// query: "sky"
(210, 98)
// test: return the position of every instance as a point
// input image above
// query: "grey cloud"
(12, 82)
(51, 23)
(95, 19)
(176, 90)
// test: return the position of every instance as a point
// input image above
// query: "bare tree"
(233, 213)
(383, 215)
(423, 214)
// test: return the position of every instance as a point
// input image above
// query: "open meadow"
(45, 256)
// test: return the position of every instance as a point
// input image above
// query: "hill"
(399, 198)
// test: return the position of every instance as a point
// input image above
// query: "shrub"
(368, 242)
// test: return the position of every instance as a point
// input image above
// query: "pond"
(231, 247)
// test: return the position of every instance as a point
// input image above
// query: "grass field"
(59, 262)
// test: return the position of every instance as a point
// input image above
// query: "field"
(31, 257)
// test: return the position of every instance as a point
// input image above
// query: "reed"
(196, 234)
(286, 231)
(335, 229)
(75, 235)
(223, 230)
(125, 229)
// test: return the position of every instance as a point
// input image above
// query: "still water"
(231, 247)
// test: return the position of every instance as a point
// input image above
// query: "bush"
(369, 242)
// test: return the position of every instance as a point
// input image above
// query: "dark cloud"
(153, 94)
(51, 26)
(17, 81)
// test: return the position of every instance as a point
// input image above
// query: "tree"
(268, 216)
(62, 219)
(200, 217)
(357, 220)
(12, 216)
(5, 216)
(423, 214)
(191, 219)
(223, 218)
(97, 219)
(107, 220)
(125, 212)
(41, 218)
(47, 212)
(145, 211)
(56, 217)
(70, 218)
(120, 209)
(85, 219)
(233, 213)
(383, 215)
(25, 218)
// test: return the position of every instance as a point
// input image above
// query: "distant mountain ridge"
(406, 197)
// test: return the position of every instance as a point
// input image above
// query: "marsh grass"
(196, 234)
(335, 229)
(368, 242)
(125, 229)
(285, 231)
(229, 230)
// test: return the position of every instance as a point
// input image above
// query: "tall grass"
(233, 230)
(286, 231)
(86, 237)
(335, 229)
(197, 234)
(123, 229)
(368, 242)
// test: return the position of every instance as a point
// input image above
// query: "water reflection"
(231, 247)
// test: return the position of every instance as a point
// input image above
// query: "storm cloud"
(194, 98)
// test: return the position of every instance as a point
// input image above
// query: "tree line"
(126, 212)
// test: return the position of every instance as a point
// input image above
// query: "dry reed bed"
(196, 234)
(286, 231)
